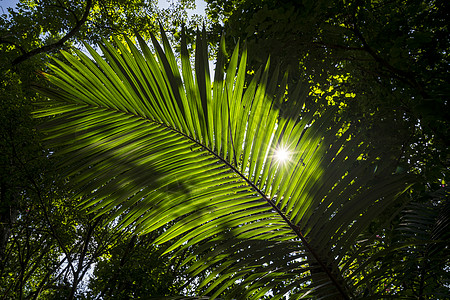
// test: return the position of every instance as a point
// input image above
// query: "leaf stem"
(295, 228)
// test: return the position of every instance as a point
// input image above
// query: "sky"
(4, 4)
(200, 10)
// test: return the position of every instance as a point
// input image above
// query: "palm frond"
(414, 261)
(153, 145)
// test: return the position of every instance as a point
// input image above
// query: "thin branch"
(406, 77)
(43, 283)
(44, 207)
(336, 46)
(76, 275)
(59, 43)
(72, 12)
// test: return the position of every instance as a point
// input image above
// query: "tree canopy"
(393, 55)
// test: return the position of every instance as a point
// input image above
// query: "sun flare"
(282, 155)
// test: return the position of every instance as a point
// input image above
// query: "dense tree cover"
(48, 246)
(384, 64)
(393, 55)
(45, 27)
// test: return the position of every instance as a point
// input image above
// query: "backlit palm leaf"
(152, 145)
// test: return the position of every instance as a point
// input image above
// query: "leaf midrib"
(294, 228)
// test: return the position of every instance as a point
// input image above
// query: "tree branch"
(72, 12)
(336, 46)
(76, 275)
(406, 77)
(59, 43)
(44, 207)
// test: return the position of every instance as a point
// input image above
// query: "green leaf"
(148, 146)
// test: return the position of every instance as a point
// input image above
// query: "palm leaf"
(148, 145)
(414, 256)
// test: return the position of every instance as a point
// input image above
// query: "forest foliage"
(376, 71)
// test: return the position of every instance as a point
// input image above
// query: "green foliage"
(135, 268)
(381, 64)
(142, 140)
(19, 147)
(420, 266)
(46, 245)
(395, 55)
(35, 28)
